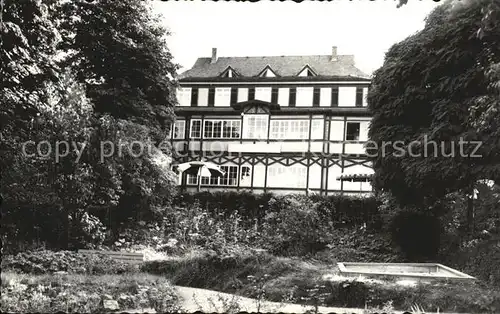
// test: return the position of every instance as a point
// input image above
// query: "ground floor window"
(229, 179)
(287, 177)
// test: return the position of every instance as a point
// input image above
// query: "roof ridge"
(274, 56)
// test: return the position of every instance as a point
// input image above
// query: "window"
(304, 96)
(245, 176)
(195, 128)
(203, 97)
(245, 172)
(192, 179)
(268, 72)
(346, 96)
(242, 94)
(287, 177)
(230, 177)
(178, 129)
(352, 131)
(325, 98)
(184, 96)
(255, 126)
(222, 129)
(317, 129)
(222, 97)
(263, 93)
(289, 129)
(307, 72)
(283, 96)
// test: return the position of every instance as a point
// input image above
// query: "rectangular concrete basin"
(415, 271)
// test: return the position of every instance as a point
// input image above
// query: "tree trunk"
(470, 211)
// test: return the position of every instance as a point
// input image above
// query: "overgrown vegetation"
(303, 282)
(84, 293)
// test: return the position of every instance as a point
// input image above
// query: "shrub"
(44, 262)
(85, 294)
(340, 210)
(417, 234)
(280, 226)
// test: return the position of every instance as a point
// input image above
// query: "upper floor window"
(267, 72)
(306, 71)
(229, 72)
(184, 96)
(352, 131)
(304, 96)
(222, 97)
(222, 129)
(347, 96)
(255, 126)
(263, 93)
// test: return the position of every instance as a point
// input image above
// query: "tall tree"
(118, 49)
(440, 85)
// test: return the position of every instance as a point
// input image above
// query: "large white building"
(274, 124)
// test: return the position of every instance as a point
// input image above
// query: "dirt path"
(209, 301)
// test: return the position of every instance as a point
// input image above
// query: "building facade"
(282, 124)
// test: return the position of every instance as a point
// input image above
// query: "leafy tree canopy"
(442, 84)
(118, 49)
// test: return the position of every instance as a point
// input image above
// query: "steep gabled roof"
(283, 66)
(307, 68)
(227, 70)
(266, 70)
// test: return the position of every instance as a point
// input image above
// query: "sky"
(364, 28)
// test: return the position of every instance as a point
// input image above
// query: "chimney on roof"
(334, 53)
(214, 55)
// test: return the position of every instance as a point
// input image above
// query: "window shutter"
(335, 96)
(316, 97)
(359, 97)
(194, 97)
(211, 97)
(251, 93)
(274, 95)
(234, 95)
(293, 94)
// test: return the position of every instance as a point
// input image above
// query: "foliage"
(45, 262)
(304, 283)
(61, 91)
(417, 234)
(84, 294)
(340, 210)
(118, 50)
(418, 94)
(280, 227)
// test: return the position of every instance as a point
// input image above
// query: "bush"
(417, 234)
(84, 294)
(280, 226)
(340, 210)
(44, 262)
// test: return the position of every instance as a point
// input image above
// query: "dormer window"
(229, 72)
(267, 72)
(307, 71)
